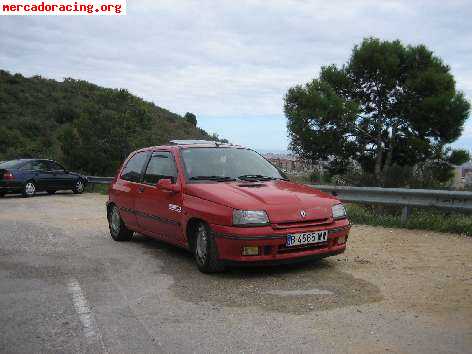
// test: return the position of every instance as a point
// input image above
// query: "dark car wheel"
(79, 187)
(2, 194)
(51, 192)
(29, 189)
(118, 230)
(205, 251)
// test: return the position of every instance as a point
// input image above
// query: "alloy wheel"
(30, 188)
(79, 186)
(202, 243)
(115, 221)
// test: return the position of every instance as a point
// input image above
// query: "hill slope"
(87, 127)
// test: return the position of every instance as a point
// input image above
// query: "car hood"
(282, 200)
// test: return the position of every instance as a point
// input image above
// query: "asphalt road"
(65, 286)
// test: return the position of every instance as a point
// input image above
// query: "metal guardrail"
(407, 198)
(94, 180)
(99, 180)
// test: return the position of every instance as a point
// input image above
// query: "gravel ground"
(65, 286)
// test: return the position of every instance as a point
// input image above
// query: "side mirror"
(167, 185)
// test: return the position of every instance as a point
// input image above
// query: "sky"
(231, 62)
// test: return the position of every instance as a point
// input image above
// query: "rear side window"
(134, 167)
(161, 165)
(27, 166)
(10, 164)
(37, 166)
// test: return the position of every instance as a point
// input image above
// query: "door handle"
(140, 189)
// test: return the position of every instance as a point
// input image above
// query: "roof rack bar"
(192, 142)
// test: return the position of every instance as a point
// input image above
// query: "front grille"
(301, 224)
(293, 249)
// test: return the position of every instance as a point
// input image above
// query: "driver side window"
(161, 165)
(52, 166)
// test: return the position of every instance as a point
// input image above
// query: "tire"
(51, 192)
(29, 190)
(205, 251)
(118, 229)
(2, 194)
(79, 186)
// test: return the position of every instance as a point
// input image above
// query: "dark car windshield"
(11, 164)
(224, 164)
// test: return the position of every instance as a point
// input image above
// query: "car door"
(60, 177)
(42, 176)
(125, 189)
(159, 211)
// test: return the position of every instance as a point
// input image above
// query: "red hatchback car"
(224, 203)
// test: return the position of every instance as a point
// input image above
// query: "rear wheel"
(79, 187)
(51, 192)
(29, 189)
(118, 230)
(205, 251)
(2, 194)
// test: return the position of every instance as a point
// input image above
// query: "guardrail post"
(406, 211)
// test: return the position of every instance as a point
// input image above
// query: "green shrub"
(97, 188)
(423, 219)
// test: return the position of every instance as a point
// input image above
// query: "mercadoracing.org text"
(62, 7)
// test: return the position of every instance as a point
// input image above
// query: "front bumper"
(272, 243)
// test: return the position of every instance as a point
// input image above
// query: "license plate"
(307, 238)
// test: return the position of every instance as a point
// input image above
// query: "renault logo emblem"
(302, 213)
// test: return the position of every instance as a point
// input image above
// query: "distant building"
(466, 169)
(463, 175)
(289, 163)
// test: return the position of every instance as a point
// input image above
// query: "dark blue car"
(28, 176)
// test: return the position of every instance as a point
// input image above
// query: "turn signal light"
(250, 251)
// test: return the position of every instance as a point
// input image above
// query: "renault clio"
(224, 203)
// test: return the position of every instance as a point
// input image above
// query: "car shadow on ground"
(39, 194)
(296, 288)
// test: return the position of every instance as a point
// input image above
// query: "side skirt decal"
(151, 216)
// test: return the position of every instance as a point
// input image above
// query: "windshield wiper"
(212, 178)
(256, 178)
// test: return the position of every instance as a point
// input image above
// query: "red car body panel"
(165, 214)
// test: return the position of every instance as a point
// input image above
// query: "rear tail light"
(8, 175)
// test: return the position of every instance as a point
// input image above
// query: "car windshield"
(10, 164)
(225, 164)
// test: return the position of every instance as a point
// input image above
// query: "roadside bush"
(423, 219)
(97, 188)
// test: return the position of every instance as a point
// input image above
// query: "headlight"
(250, 217)
(339, 212)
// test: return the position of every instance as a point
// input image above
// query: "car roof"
(29, 159)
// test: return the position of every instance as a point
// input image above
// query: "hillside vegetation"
(87, 127)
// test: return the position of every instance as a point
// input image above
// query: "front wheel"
(118, 230)
(79, 187)
(29, 189)
(205, 251)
